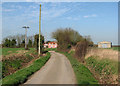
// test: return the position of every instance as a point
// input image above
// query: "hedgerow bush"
(81, 49)
(66, 38)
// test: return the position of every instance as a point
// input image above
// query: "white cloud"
(88, 16)
(39, 3)
(53, 13)
(32, 11)
(29, 0)
(8, 10)
(48, 13)
(33, 7)
(73, 18)
(85, 16)
(12, 8)
(19, 7)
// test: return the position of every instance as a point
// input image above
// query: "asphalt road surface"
(57, 70)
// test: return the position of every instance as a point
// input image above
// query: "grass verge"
(16, 62)
(105, 70)
(83, 74)
(21, 76)
(50, 49)
(100, 64)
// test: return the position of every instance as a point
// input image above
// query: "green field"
(116, 48)
(7, 51)
(0, 51)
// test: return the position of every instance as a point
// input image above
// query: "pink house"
(45, 45)
(52, 45)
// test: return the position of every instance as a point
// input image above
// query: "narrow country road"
(57, 70)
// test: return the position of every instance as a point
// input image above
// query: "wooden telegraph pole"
(39, 29)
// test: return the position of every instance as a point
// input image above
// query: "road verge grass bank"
(21, 76)
(15, 62)
(50, 49)
(83, 74)
(105, 70)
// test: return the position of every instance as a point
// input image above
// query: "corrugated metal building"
(104, 44)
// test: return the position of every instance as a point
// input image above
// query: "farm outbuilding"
(104, 44)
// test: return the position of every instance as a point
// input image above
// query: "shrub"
(81, 49)
(66, 38)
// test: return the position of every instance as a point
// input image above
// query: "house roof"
(52, 42)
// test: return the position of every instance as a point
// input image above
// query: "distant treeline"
(18, 41)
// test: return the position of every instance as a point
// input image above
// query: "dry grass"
(98, 58)
(103, 53)
(20, 53)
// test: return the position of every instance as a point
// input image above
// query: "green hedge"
(21, 76)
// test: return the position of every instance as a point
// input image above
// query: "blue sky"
(99, 20)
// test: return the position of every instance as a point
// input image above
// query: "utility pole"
(39, 29)
(26, 27)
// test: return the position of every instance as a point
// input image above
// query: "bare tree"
(66, 38)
